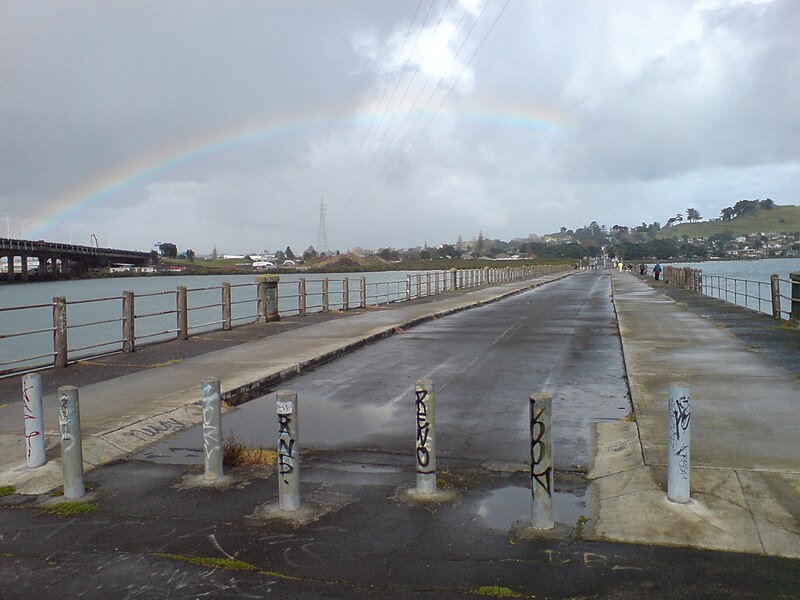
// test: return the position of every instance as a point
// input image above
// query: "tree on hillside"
(168, 250)
(745, 207)
(727, 213)
(309, 253)
(679, 218)
(477, 248)
(190, 255)
(289, 254)
(767, 204)
(446, 251)
(389, 254)
(692, 215)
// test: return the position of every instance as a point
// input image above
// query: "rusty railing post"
(226, 306)
(60, 348)
(128, 322)
(182, 301)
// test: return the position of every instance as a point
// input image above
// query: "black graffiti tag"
(285, 445)
(544, 477)
(423, 429)
(681, 416)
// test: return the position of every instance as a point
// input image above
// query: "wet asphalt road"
(357, 416)
(485, 363)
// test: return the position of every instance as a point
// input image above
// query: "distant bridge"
(55, 258)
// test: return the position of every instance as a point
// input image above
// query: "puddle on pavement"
(358, 474)
(503, 507)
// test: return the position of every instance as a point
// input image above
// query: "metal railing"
(778, 297)
(153, 317)
(742, 292)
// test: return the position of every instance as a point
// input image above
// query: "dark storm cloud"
(569, 112)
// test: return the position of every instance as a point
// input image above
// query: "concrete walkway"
(745, 478)
(124, 414)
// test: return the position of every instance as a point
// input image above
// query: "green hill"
(778, 219)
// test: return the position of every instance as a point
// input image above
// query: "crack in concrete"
(750, 512)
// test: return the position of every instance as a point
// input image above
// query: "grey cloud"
(696, 106)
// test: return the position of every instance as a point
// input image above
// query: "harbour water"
(155, 302)
(746, 282)
(754, 270)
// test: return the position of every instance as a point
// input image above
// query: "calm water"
(756, 270)
(732, 280)
(154, 321)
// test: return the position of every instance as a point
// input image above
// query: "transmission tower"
(322, 236)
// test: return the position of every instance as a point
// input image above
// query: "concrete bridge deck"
(746, 475)
(124, 414)
(50, 254)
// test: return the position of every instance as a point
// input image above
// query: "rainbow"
(103, 189)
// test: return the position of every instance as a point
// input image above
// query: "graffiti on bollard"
(425, 403)
(679, 429)
(288, 451)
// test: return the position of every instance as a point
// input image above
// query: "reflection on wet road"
(485, 362)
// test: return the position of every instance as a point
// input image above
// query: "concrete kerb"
(108, 446)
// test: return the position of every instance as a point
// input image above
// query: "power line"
(466, 66)
(358, 188)
(449, 91)
(367, 167)
(367, 138)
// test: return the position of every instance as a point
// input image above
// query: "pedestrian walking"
(657, 271)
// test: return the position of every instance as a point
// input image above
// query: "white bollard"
(69, 419)
(211, 401)
(541, 418)
(425, 402)
(679, 428)
(34, 420)
(288, 451)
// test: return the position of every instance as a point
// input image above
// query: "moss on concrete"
(7, 490)
(497, 591)
(228, 564)
(70, 509)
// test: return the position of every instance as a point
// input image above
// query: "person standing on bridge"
(657, 271)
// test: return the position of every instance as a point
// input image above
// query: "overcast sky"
(224, 124)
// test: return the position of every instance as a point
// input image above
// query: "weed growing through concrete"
(228, 564)
(497, 591)
(630, 417)
(70, 509)
(236, 454)
(580, 526)
(450, 480)
(7, 490)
